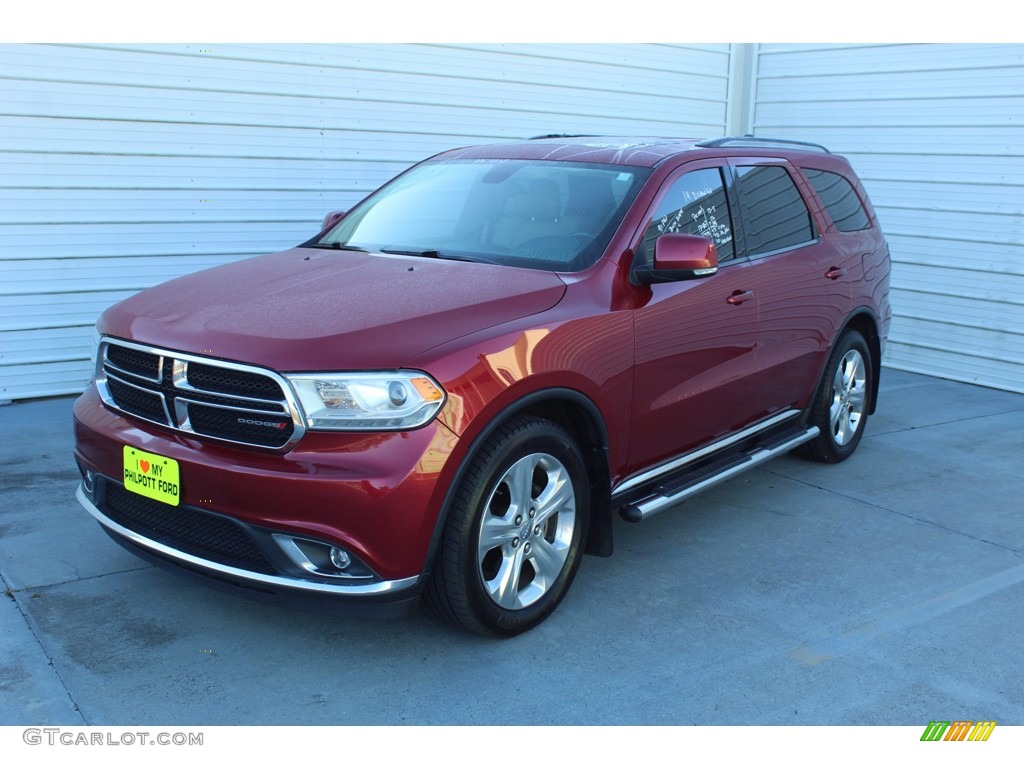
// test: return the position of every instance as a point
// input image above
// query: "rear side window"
(840, 200)
(775, 215)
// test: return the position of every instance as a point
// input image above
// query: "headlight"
(367, 401)
(94, 350)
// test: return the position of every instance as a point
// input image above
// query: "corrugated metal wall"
(121, 167)
(936, 133)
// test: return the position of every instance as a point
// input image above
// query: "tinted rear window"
(840, 200)
(775, 216)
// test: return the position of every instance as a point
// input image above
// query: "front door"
(695, 359)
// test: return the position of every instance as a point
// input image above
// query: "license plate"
(151, 475)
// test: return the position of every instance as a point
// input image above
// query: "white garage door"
(121, 167)
(937, 134)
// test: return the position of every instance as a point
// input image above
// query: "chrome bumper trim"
(355, 590)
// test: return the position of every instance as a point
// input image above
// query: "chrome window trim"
(355, 590)
(786, 249)
(180, 422)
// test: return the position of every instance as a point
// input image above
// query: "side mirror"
(331, 219)
(678, 257)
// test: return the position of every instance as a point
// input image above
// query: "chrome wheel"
(849, 390)
(515, 530)
(526, 531)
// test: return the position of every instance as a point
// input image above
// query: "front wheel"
(514, 535)
(843, 401)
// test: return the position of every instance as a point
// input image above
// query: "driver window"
(695, 205)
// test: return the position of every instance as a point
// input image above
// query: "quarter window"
(775, 215)
(694, 205)
(841, 202)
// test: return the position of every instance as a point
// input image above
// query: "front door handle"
(835, 273)
(738, 297)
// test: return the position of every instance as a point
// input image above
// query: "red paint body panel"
(580, 345)
(314, 310)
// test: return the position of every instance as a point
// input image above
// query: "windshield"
(525, 213)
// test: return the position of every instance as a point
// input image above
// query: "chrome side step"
(700, 480)
(645, 478)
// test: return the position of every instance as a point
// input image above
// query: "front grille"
(133, 361)
(231, 382)
(187, 529)
(212, 398)
(218, 422)
(136, 401)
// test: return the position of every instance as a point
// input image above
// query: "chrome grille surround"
(160, 376)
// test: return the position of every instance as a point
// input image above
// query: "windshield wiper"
(337, 247)
(433, 253)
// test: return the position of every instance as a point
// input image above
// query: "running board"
(699, 480)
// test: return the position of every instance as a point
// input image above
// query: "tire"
(514, 536)
(842, 402)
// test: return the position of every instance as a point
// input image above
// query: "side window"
(840, 200)
(695, 205)
(775, 215)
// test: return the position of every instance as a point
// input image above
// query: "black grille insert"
(134, 361)
(148, 405)
(231, 382)
(194, 531)
(243, 426)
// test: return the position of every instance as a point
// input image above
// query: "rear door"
(802, 279)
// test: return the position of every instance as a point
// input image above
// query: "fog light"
(340, 559)
(88, 480)
(322, 558)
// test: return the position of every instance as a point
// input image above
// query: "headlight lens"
(94, 350)
(367, 401)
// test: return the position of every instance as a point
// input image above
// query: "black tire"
(842, 402)
(537, 544)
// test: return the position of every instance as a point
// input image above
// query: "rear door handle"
(738, 297)
(834, 273)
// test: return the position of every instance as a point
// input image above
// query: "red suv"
(448, 391)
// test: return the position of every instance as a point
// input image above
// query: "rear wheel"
(514, 535)
(841, 405)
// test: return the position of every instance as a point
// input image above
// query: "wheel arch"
(865, 322)
(582, 419)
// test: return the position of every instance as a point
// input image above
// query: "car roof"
(643, 151)
(617, 150)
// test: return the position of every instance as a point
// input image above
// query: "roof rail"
(756, 141)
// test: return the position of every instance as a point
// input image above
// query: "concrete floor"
(886, 590)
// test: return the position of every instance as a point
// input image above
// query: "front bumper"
(242, 511)
(377, 598)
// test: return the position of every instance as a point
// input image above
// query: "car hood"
(309, 309)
